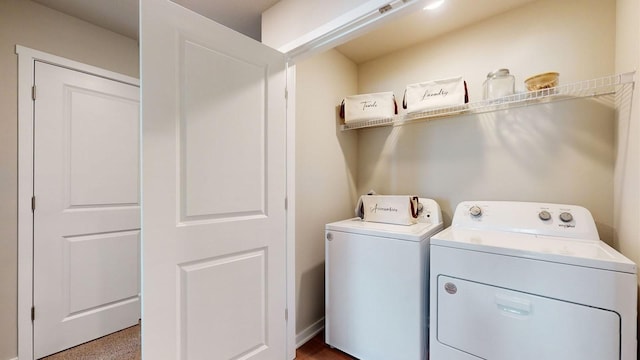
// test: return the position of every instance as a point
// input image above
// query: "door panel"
(227, 290)
(88, 257)
(96, 120)
(216, 90)
(87, 216)
(214, 189)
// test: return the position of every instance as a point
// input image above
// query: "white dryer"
(515, 280)
(377, 286)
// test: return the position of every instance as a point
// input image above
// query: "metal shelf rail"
(583, 89)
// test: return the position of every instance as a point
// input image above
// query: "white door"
(213, 114)
(87, 215)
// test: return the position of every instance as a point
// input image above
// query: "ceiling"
(423, 25)
(121, 16)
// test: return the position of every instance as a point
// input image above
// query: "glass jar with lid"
(499, 83)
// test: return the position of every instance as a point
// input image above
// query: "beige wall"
(561, 152)
(544, 35)
(627, 175)
(325, 172)
(29, 24)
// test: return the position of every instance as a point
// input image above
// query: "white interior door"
(213, 113)
(87, 215)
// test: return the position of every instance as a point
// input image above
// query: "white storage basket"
(356, 108)
(435, 94)
(391, 209)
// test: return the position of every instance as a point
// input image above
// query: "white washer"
(523, 281)
(377, 286)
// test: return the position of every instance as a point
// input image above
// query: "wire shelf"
(582, 89)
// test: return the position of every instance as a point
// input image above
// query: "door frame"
(345, 27)
(27, 58)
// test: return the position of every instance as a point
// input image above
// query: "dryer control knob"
(544, 215)
(329, 236)
(475, 211)
(566, 217)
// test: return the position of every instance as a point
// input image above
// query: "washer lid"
(588, 253)
(415, 232)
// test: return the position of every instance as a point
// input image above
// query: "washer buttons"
(544, 215)
(566, 217)
(475, 211)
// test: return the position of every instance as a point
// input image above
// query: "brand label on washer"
(451, 288)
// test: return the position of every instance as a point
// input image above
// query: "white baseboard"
(307, 334)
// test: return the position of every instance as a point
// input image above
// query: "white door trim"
(26, 66)
(291, 211)
(347, 26)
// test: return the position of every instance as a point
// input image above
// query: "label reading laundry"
(376, 208)
(428, 94)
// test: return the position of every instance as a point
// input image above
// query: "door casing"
(346, 27)
(26, 64)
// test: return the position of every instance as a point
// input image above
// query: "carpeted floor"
(125, 345)
(121, 345)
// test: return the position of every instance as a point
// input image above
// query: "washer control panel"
(429, 211)
(527, 217)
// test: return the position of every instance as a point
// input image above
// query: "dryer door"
(500, 324)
